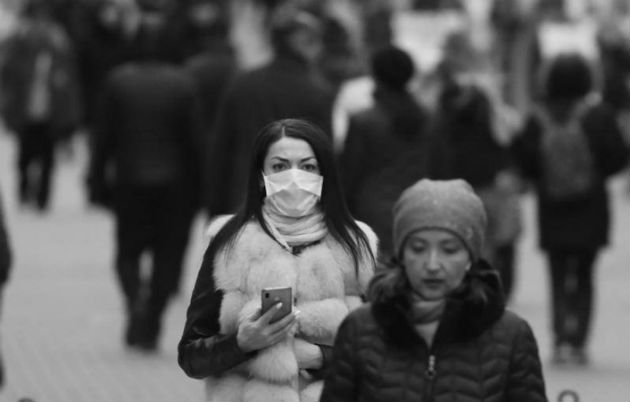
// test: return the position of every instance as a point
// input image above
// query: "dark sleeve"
(11, 66)
(525, 381)
(524, 150)
(193, 142)
(326, 116)
(352, 160)
(5, 249)
(612, 151)
(340, 383)
(218, 149)
(439, 154)
(102, 146)
(203, 351)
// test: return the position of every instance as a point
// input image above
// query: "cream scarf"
(290, 231)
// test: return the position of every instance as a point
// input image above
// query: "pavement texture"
(62, 322)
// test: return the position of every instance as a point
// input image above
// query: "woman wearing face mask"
(436, 328)
(293, 230)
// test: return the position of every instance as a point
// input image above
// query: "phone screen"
(272, 296)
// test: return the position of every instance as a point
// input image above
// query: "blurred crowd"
(170, 95)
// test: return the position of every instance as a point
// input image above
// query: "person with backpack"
(568, 148)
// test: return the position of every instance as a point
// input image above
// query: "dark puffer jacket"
(478, 354)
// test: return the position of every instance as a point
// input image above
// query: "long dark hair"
(333, 204)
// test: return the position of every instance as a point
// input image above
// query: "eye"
(310, 167)
(452, 247)
(416, 247)
(277, 167)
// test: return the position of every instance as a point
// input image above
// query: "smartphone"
(272, 296)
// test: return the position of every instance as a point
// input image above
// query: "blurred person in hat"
(436, 327)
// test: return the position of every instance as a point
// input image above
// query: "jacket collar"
(476, 305)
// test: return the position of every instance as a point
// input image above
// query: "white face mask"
(293, 192)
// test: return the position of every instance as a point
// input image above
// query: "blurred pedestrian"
(614, 47)
(104, 43)
(213, 68)
(568, 149)
(387, 146)
(6, 259)
(286, 87)
(466, 129)
(515, 26)
(436, 327)
(40, 99)
(293, 230)
(145, 165)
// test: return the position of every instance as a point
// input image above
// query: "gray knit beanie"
(451, 205)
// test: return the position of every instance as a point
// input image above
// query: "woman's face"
(290, 153)
(435, 262)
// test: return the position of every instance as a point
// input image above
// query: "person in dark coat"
(436, 327)
(287, 87)
(148, 134)
(466, 134)
(572, 228)
(6, 259)
(387, 146)
(103, 43)
(40, 98)
(213, 68)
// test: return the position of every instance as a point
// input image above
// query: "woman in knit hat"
(436, 328)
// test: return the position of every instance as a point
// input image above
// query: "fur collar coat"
(326, 287)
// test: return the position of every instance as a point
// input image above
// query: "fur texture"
(325, 286)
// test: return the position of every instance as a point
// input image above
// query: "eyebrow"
(287, 160)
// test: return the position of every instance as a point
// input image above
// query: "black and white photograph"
(314, 200)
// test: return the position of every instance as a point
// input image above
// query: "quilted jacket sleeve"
(525, 378)
(342, 376)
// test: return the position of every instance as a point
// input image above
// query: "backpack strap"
(579, 110)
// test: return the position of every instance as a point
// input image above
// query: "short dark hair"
(392, 67)
(336, 214)
(568, 76)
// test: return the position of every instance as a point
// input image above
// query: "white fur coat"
(325, 288)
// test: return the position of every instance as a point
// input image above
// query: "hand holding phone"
(269, 325)
(272, 296)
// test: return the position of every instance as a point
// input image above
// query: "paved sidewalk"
(61, 322)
